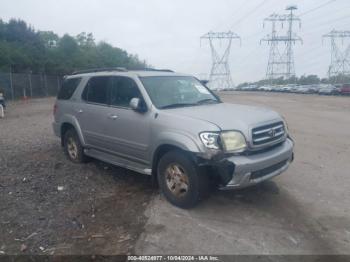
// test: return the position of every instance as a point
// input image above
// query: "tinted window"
(68, 87)
(96, 90)
(123, 90)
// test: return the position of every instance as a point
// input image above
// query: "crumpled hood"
(229, 116)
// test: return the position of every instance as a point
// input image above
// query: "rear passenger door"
(128, 131)
(92, 113)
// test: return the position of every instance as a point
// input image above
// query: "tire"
(182, 182)
(73, 148)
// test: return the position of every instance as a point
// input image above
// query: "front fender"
(178, 139)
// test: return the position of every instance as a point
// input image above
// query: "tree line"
(24, 49)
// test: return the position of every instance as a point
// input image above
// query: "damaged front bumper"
(239, 171)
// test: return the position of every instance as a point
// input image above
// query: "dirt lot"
(306, 210)
(99, 209)
(51, 206)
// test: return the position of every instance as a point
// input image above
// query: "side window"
(96, 90)
(123, 90)
(68, 88)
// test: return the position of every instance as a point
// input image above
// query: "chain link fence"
(18, 86)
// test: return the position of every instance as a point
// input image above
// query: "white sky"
(166, 32)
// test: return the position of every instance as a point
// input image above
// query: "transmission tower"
(220, 75)
(281, 61)
(340, 57)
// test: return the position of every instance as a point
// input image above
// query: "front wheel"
(181, 181)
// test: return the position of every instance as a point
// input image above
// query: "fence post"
(30, 84)
(58, 83)
(45, 83)
(11, 84)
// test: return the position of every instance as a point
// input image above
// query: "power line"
(248, 13)
(237, 10)
(316, 8)
(335, 20)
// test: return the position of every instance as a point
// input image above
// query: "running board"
(118, 161)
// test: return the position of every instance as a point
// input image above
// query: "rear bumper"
(248, 170)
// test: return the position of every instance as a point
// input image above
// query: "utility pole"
(220, 74)
(290, 57)
(340, 57)
(281, 62)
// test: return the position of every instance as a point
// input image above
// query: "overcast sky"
(166, 32)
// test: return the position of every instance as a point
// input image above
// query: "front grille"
(261, 150)
(266, 171)
(268, 133)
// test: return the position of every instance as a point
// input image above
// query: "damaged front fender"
(224, 168)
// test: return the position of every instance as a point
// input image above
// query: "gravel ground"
(52, 206)
(305, 210)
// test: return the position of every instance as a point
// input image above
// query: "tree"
(22, 49)
(49, 38)
(309, 80)
(85, 40)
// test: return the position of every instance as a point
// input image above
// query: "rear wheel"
(181, 181)
(73, 148)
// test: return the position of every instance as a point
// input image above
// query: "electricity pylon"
(220, 74)
(340, 57)
(281, 62)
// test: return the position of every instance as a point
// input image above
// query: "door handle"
(114, 117)
(80, 111)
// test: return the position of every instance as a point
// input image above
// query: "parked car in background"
(328, 90)
(278, 88)
(293, 88)
(285, 88)
(345, 89)
(303, 90)
(313, 89)
(265, 88)
(249, 88)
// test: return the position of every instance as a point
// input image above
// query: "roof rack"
(104, 69)
(160, 70)
(119, 69)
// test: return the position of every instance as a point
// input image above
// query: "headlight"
(229, 141)
(233, 141)
(210, 140)
(286, 129)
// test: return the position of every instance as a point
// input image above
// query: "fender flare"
(68, 119)
(177, 139)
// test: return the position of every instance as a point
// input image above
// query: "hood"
(229, 116)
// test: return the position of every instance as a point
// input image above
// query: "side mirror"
(137, 105)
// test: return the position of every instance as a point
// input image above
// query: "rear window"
(68, 87)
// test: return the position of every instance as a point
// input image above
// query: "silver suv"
(172, 127)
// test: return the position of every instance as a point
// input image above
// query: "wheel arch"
(64, 128)
(68, 123)
(162, 150)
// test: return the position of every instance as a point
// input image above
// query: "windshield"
(177, 91)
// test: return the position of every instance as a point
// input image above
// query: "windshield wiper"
(177, 105)
(211, 100)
